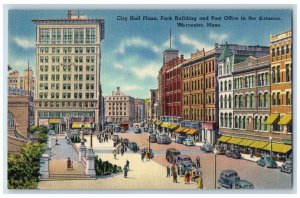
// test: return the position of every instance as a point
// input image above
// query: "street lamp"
(271, 153)
(91, 134)
(215, 156)
(149, 141)
(82, 125)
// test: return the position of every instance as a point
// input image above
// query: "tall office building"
(68, 55)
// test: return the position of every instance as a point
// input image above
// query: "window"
(287, 49)
(67, 35)
(278, 74)
(45, 36)
(278, 98)
(247, 101)
(282, 50)
(221, 87)
(260, 100)
(236, 100)
(277, 49)
(288, 74)
(266, 99)
(288, 98)
(56, 36)
(273, 52)
(230, 120)
(273, 99)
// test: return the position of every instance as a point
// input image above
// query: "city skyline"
(132, 51)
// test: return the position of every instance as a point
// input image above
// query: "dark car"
(243, 184)
(183, 158)
(137, 130)
(150, 130)
(185, 166)
(162, 139)
(115, 137)
(287, 167)
(117, 129)
(235, 153)
(267, 161)
(206, 148)
(228, 178)
(133, 146)
(151, 152)
(219, 150)
(171, 155)
(145, 129)
(152, 138)
(180, 139)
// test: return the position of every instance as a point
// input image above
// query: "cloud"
(185, 40)
(166, 44)
(119, 66)
(24, 42)
(139, 43)
(127, 88)
(150, 70)
(218, 38)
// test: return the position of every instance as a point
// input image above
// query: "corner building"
(68, 65)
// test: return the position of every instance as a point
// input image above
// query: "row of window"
(117, 113)
(277, 98)
(198, 84)
(278, 76)
(198, 114)
(199, 69)
(198, 99)
(67, 35)
(68, 59)
(281, 51)
(117, 108)
(69, 50)
(76, 68)
(77, 77)
(47, 114)
(117, 98)
(56, 95)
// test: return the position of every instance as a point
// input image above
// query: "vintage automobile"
(228, 178)
(137, 130)
(152, 138)
(219, 150)
(163, 139)
(150, 130)
(180, 139)
(206, 148)
(133, 146)
(182, 158)
(287, 167)
(188, 142)
(243, 184)
(185, 166)
(267, 161)
(235, 153)
(146, 129)
(171, 155)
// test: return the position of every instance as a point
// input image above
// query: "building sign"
(43, 122)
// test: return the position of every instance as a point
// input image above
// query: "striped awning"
(272, 119)
(277, 147)
(224, 138)
(77, 125)
(173, 126)
(160, 123)
(286, 119)
(246, 142)
(186, 130)
(167, 124)
(234, 140)
(258, 144)
(179, 129)
(154, 119)
(192, 132)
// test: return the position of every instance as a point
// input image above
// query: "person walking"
(142, 156)
(115, 154)
(127, 164)
(173, 169)
(125, 171)
(122, 150)
(187, 177)
(198, 162)
(174, 177)
(193, 178)
(199, 183)
(148, 155)
(168, 171)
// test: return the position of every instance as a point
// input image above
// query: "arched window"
(221, 102)
(225, 86)
(260, 100)
(241, 101)
(247, 101)
(221, 86)
(11, 121)
(261, 120)
(236, 122)
(229, 101)
(266, 99)
(252, 100)
(256, 127)
(236, 101)
(222, 120)
(265, 126)
(230, 120)
(244, 122)
(273, 99)
(240, 122)
(225, 101)
(229, 85)
(226, 120)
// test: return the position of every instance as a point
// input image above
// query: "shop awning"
(234, 140)
(186, 130)
(223, 138)
(192, 132)
(54, 121)
(153, 119)
(258, 144)
(179, 129)
(286, 119)
(77, 125)
(245, 142)
(173, 126)
(277, 147)
(167, 124)
(159, 123)
(272, 119)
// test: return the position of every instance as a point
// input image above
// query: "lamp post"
(82, 125)
(149, 141)
(91, 134)
(271, 153)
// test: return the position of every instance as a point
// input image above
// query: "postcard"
(150, 99)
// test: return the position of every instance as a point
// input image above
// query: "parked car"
(132, 145)
(188, 142)
(137, 130)
(219, 150)
(125, 141)
(180, 139)
(122, 130)
(206, 148)
(151, 152)
(145, 129)
(235, 153)
(287, 167)
(115, 137)
(183, 158)
(150, 130)
(162, 139)
(267, 161)
(185, 166)
(117, 129)
(228, 178)
(152, 138)
(243, 184)
(171, 155)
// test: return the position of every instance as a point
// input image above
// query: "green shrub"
(106, 168)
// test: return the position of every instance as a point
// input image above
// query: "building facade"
(147, 109)
(154, 103)
(68, 66)
(280, 120)
(119, 108)
(22, 81)
(139, 110)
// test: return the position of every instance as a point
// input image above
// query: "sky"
(132, 50)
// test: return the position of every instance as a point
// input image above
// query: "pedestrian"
(199, 183)
(127, 164)
(122, 151)
(148, 155)
(125, 171)
(251, 153)
(115, 154)
(187, 177)
(193, 175)
(172, 169)
(198, 162)
(142, 156)
(168, 171)
(174, 177)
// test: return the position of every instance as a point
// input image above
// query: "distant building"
(119, 107)
(154, 103)
(21, 81)
(147, 108)
(139, 109)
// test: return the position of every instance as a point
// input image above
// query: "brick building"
(154, 103)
